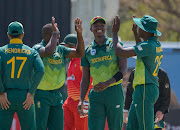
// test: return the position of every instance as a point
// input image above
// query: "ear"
(91, 28)
(8, 35)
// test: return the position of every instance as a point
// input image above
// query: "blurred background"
(33, 14)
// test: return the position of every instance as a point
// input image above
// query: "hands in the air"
(78, 25)
(54, 25)
(116, 24)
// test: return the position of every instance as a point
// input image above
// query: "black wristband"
(118, 76)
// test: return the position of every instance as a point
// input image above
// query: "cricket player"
(21, 70)
(107, 70)
(149, 55)
(48, 100)
(72, 119)
(161, 106)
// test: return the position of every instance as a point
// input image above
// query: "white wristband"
(124, 110)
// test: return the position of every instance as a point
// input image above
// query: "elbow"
(80, 54)
(49, 52)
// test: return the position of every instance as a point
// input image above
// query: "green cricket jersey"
(17, 63)
(55, 75)
(149, 55)
(102, 61)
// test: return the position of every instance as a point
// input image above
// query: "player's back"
(17, 61)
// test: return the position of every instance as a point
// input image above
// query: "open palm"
(78, 25)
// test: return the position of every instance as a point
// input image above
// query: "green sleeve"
(38, 72)
(85, 62)
(1, 83)
(66, 51)
(143, 49)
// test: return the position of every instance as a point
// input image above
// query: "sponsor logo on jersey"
(52, 61)
(93, 52)
(99, 59)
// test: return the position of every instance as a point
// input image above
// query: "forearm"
(84, 89)
(51, 46)
(80, 45)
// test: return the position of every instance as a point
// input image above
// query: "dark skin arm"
(51, 46)
(135, 31)
(79, 51)
(103, 85)
(119, 50)
(84, 88)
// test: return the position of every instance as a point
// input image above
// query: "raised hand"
(78, 25)
(28, 102)
(116, 24)
(4, 101)
(54, 25)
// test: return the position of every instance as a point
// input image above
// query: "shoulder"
(162, 73)
(38, 46)
(89, 47)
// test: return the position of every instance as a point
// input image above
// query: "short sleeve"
(37, 47)
(85, 62)
(143, 49)
(66, 50)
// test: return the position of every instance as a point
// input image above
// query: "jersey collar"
(16, 41)
(105, 42)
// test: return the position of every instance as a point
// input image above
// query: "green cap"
(98, 18)
(15, 28)
(70, 39)
(148, 24)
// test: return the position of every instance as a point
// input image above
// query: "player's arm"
(118, 76)
(51, 46)
(38, 74)
(128, 99)
(119, 50)
(84, 88)
(3, 95)
(79, 51)
(129, 92)
(164, 86)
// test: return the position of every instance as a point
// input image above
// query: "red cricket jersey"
(74, 75)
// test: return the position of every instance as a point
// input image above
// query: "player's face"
(98, 29)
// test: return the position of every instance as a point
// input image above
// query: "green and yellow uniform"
(103, 64)
(48, 100)
(21, 71)
(149, 55)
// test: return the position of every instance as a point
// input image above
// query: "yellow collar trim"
(16, 41)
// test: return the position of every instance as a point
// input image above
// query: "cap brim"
(99, 19)
(139, 24)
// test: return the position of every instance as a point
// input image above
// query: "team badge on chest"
(93, 52)
(107, 48)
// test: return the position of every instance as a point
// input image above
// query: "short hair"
(15, 36)
(47, 29)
